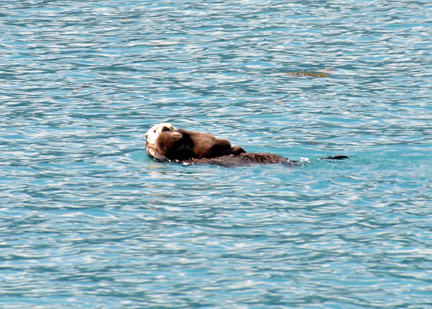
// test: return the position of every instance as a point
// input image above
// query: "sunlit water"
(88, 221)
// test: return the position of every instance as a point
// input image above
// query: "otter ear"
(165, 128)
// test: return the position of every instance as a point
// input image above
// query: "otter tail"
(335, 158)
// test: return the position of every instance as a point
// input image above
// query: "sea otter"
(166, 143)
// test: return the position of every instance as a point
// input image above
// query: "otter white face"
(154, 132)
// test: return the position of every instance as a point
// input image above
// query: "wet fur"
(165, 143)
(245, 159)
(204, 145)
(169, 144)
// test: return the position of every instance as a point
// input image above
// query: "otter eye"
(154, 131)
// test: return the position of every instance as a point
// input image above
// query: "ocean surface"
(87, 220)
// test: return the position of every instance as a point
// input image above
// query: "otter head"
(153, 148)
(154, 132)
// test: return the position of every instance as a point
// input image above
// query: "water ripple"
(88, 220)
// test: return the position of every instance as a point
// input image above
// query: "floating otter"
(166, 143)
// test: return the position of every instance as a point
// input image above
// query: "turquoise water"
(88, 221)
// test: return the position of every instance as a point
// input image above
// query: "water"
(88, 221)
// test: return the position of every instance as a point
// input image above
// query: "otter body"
(166, 143)
(245, 159)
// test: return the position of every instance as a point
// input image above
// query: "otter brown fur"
(244, 159)
(165, 143)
